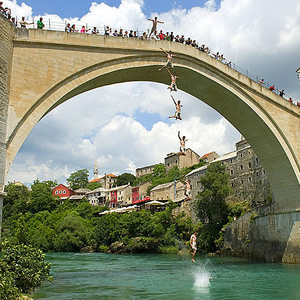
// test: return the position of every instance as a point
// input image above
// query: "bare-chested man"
(188, 191)
(178, 106)
(154, 25)
(182, 144)
(173, 86)
(193, 243)
(169, 63)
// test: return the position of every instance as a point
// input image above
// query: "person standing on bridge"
(40, 24)
(173, 86)
(169, 63)
(23, 23)
(154, 25)
(178, 106)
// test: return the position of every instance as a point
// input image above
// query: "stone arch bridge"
(41, 69)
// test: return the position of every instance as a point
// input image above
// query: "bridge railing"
(60, 26)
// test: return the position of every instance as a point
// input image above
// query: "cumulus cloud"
(128, 127)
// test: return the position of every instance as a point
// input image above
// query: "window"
(232, 184)
(264, 172)
(241, 155)
(242, 168)
(60, 192)
(64, 192)
(231, 172)
(249, 152)
(249, 165)
(231, 160)
(249, 179)
(176, 161)
(242, 181)
(256, 160)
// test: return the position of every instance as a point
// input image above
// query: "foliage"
(125, 178)
(41, 197)
(8, 290)
(159, 171)
(78, 179)
(16, 200)
(211, 207)
(72, 235)
(26, 266)
(93, 185)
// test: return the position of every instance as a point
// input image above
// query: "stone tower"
(96, 170)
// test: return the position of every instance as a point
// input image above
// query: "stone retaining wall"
(271, 237)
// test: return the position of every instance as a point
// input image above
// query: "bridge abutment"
(6, 54)
(270, 236)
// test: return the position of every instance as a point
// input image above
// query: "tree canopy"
(125, 178)
(78, 179)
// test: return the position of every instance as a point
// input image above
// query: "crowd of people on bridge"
(153, 34)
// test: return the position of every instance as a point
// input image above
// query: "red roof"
(207, 154)
(98, 179)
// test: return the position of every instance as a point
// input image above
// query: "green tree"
(26, 264)
(159, 171)
(72, 235)
(78, 179)
(41, 197)
(16, 200)
(93, 185)
(125, 178)
(211, 206)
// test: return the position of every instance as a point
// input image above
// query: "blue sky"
(128, 126)
(77, 8)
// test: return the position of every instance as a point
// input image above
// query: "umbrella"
(155, 203)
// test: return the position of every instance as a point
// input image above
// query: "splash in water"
(202, 277)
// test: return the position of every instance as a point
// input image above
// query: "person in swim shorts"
(169, 63)
(193, 244)
(178, 106)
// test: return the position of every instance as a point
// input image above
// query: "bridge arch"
(256, 112)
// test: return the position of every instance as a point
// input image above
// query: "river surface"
(157, 276)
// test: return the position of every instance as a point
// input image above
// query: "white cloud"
(112, 123)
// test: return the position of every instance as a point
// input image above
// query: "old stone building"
(144, 171)
(167, 191)
(209, 157)
(174, 159)
(248, 179)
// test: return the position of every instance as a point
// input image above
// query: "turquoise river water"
(154, 276)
